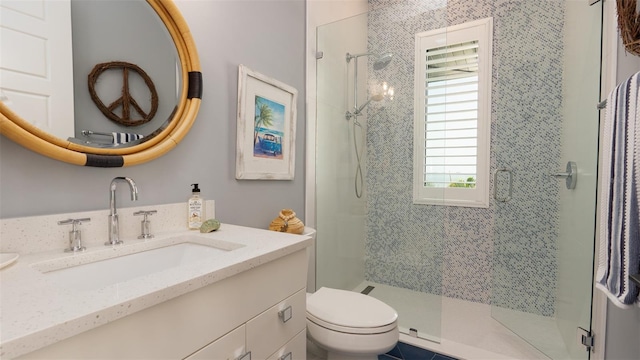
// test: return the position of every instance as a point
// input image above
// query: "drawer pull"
(287, 356)
(286, 314)
(246, 356)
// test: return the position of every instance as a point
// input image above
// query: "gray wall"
(623, 325)
(266, 36)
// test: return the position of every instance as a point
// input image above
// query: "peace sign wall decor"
(126, 102)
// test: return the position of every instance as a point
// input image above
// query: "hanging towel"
(619, 252)
(123, 138)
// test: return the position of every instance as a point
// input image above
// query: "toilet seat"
(351, 330)
(350, 312)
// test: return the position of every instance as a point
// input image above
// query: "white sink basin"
(114, 270)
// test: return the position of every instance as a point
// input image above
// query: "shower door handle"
(495, 185)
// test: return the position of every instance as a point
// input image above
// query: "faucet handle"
(74, 222)
(145, 212)
(75, 236)
(145, 223)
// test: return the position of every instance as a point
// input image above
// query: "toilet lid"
(350, 309)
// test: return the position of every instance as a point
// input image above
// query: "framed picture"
(266, 127)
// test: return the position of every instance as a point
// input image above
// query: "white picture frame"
(266, 127)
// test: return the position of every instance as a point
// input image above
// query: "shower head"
(379, 62)
(382, 60)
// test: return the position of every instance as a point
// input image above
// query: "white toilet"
(350, 325)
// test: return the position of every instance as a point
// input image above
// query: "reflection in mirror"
(37, 63)
(22, 130)
(79, 35)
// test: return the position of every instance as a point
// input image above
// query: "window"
(452, 120)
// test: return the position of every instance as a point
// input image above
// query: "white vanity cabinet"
(274, 334)
(261, 310)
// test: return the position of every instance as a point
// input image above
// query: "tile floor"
(404, 351)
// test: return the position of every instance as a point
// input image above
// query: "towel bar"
(116, 138)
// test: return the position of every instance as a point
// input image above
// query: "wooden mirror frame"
(24, 133)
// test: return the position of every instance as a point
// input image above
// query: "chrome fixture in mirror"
(169, 130)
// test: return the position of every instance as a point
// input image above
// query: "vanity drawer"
(271, 329)
(296, 349)
(230, 346)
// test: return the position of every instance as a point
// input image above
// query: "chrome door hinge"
(586, 338)
(319, 55)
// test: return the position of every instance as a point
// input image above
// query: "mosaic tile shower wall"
(504, 254)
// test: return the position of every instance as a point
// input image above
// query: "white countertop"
(36, 311)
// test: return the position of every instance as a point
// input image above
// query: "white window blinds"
(451, 108)
(452, 119)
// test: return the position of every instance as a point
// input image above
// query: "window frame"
(481, 31)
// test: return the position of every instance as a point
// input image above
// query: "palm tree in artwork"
(263, 118)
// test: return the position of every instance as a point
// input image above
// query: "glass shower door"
(544, 231)
(370, 236)
(340, 214)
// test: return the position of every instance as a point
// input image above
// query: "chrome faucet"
(114, 232)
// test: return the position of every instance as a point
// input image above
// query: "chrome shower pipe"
(349, 56)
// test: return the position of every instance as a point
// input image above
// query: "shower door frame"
(608, 81)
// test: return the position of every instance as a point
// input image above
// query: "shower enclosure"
(527, 257)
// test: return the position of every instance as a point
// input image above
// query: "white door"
(36, 63)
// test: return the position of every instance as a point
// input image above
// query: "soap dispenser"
(195, 208)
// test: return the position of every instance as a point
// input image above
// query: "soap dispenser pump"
(195, 208)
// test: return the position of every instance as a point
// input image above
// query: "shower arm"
(358, 110)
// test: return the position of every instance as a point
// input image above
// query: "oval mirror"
(128, 103)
